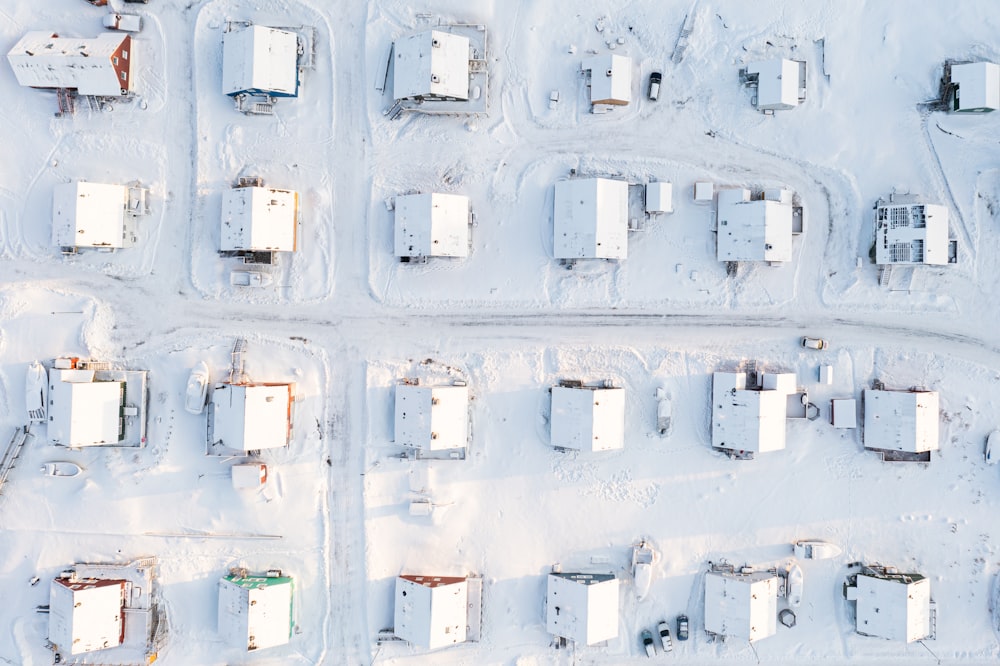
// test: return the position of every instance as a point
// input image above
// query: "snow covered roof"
(582, 607)
(748, 419)
(896, 607)
(432, 417)
(777, 83)
(249, 475)
(259, 59)
(255, 612)
(588, 418)
(978, 87)
(591, 219)
(911, 234)
(432, 225)
(610, 79)
(98, 66)
(431, 63)
(431, 611)
(247, 417)
(259, 219)
(741, 606)
(89, 215)
(901, 420)
(84, 412)
(86, 615)
(758, 230)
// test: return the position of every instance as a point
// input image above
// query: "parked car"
(814, 343)
(682, 627)
(138, 2)
(665, 642)
(126, 22)
(654, 86)
(647, 643)
(992, 453)
(197, 389)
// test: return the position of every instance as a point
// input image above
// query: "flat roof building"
(588, 418)
(255, 612)
(754, 229)
(891, 605)
(86, 615)
(432, 225)
(90, 215)
(903, 421)
(582, 607)
(259, 219)
(591, 219)
(778, 83)
(248, 417)
(911, 233)
(743, 606)
(84, 411)
(259, 60)
(747, 418)
(434, 611)
(610, 79)
(432, 417)
(431, 64)
(976, 86)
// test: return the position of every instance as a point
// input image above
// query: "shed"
(100, 66)
(255, 612)
(704, 191)
(89, 215)
(248, 417)
(432, 225)
(743, 606)
(84, 411)
(588, 418)
(659, 198)
(977, 87)
(432, 417)
(610, 79)
(590, 219)
(746, 418)
(753, 229)
(777, 83)
(249, 475)
(911, 233)
(259, 219)
(845, 413)
(904, 421)
(582, 607)
(433, 611)
(86, 614)
(431, 64)
(259, 60)
(893, 606)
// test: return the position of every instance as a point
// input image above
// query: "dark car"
(682, 627)
(654, 86)
(647, 643)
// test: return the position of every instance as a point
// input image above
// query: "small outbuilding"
(432, 225)
(659, 198)
(755, 229)
(101, 66)
(249, 417)
(747, 418)
(431, 64)
(588, 418)
(590, 219)
(86, 614)
(889, 604)
(780, 83)
(741, 605)
(91, 215)
(259, 219)
(901, 422)
(255, 612)
(432, 417)
(582, 607)
(432, 612)
(258, 60)
(976, 87)
(610, 79)
(912, 233)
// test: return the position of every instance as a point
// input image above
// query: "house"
(907, 232)
(92, 405)
(741, 605)
(90, 215)
(891, 605)
(86, 614)
(755, 229)
(432, 417)
(582, 607)
(431, 65)
(588, 418)
(249, 417)
(259, 219)
(610, 79)
(258, 60)
(976, 87)
(901, 422)
(590, 219)
(100, 66)
(437, 611)
(432, 225)
(780, 83)
(747, 418)
(255, 612)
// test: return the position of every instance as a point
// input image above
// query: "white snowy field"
(345, 321)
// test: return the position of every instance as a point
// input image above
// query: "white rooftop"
(259, 219)
(259, 59)
(582, 607)
(777, 83)
(247, 417)
(431, 611)
(758, 230)
(892, 608)
(84, 412)
(98, 66)
(431, 63)
(432, 225)
(911, 234)
(590, 219)
(255, 613)
(588, 419)
(432, 417)
(89, 215)
(901, 420)
(747, 419)
(978, 86)
(741, 606)
(86, 615)
(610, 79)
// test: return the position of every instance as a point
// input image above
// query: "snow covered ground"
(345, 321)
